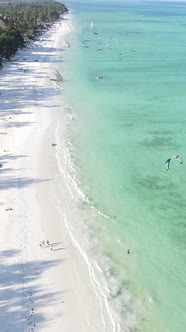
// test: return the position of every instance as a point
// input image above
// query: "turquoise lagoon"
(125, 84)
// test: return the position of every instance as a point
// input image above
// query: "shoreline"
(43, 289)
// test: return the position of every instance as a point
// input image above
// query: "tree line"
(22, 21)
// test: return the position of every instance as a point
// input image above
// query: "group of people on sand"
(45, 243)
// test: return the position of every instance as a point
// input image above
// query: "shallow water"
(125, 85)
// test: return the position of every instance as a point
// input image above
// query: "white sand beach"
(40, 289)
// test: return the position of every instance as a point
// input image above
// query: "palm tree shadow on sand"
(21, 295)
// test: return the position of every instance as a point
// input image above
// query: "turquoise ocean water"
(125, 87)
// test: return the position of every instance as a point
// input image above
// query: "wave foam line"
(68, 179)
(70, 164)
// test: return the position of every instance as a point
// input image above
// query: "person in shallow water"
(128, 251)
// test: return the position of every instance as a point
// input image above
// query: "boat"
(57, 77)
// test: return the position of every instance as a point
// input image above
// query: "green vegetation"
(22, 21)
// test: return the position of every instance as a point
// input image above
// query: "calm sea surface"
(125, 84)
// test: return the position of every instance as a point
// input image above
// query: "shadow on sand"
(20, 295)
(16, 84)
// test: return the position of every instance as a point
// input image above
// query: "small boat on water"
(67, 45)
(57, 77)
